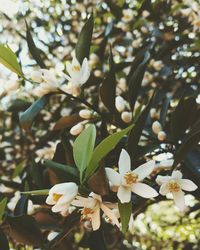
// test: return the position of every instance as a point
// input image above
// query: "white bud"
(85, 113)
(120, 104)
(126, 116)
(77, 129)
(36, 76)
(162, 136)
(52, 235)
(153, 113)
(156, 127)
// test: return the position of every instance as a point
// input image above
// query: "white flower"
(77, 129)
(128, 181)
(162, 136)
(126, 116)
(156, 127)
(61, 196)
(174, 184)
(128, 15)
(78, 74)
(91, 210)
(120, 104)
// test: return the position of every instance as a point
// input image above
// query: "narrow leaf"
(2, 207)
(84, 40)
(37, 192)
(27, 117)
(104, 148)
(125, 210)
(9, 59)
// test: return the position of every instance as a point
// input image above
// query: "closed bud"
(156, 127)
(162, 136)
(77, 129)
(120, 104)
(153, 113)
(85, 113)
(36, 76)
(126, 116)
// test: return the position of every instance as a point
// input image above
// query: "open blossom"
(174, 184)
(78, 74)
(127, 181)
(91, 207)
(61, 196)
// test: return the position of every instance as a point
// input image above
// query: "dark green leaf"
(33, 49)
(135, 81)
(18, 169)
(25, 230)
(2, 207)
(21, 206)
(104, 148)
(83, 147)
(125, 210)
(84, 40)
(108, 87)
(28, 117)
(9, 59)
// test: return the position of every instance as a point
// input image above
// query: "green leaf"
(183, 116)
(136, 79)
(108, 87)
(33, 49)
(21, 206)
(84, 41)
(37, 192)
(136, 132)
(62, 170)
(104, 148)
(27, 117)
(9, 59)
(189, 142)
(125, 210)
(114, 8)
(83, 147)
(18, 169)
(2, 207)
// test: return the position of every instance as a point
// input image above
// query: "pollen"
(173, 186)
(86, 211)
(76, 68)
(56, 197)
(130, 178)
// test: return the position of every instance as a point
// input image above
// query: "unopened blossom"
(78, 74)
(61, 196)
(91, 208)
(127, 180)
(175, 185)
(77, 129)
(128, 15)
(126, 116)
(85, 113)
(162, 136)
(120, 104)
(153, 113)
(156, 127)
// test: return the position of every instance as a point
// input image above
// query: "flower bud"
(52, 235)
(156, 127)
(126, 116)
(85, 113)
(153, 113)
(162, 136)
(36, 76)
(120, 104)
(77, 129)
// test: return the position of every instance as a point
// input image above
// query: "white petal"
(96, 219)
(113, 176)
(145, 170)
(162, 179)
(176, 174)
(50, 200)
(60, 208)
(75, 62)
(111, 215)
(144, 190)
(124, 194)
(163, 189)
(188, 185)
(124, 162)
(85, 73)
(179, 200)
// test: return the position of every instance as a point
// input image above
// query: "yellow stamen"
(173, 186)
(85, 214)
(56, 197)
(130, 178)
(76, 68)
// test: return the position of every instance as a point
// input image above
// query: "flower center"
(173, 186)
(76, 68)
(130, 178)
(86, 214)
(56, 197)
